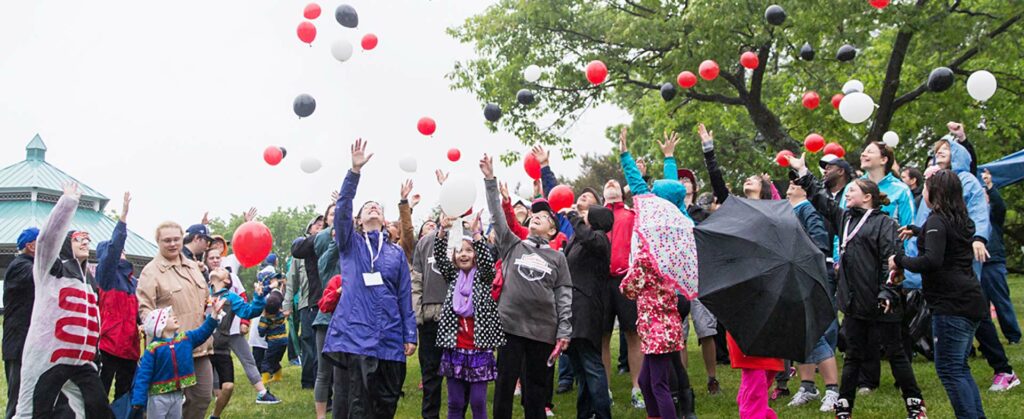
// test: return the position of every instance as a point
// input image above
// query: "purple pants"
(655, 384)
(457, 391)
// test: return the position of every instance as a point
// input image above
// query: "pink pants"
(753, 394)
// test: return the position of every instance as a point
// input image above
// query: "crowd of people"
(507, 298)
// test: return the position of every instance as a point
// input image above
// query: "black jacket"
(19, 294)
(588, 254)
(303, 249)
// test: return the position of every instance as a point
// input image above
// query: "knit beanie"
(156, 321)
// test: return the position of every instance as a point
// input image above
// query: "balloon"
(525, 97)
(307, 32)
(426, 125)
(251, 243)
(781, 158)
(836, 99)
(853, 86)
(814, 142)
(284, 152)
(811, 100)
(492, 112)
(525, 191)
(596, 72)
(457, 195)
(304, 105)
(532, 166)
(312, 11)
(561, 197)
(846, 53)
(708, 70)
(341, 50)
(807, 52)
(835, 149)
(454, 154)
(347, 16)
(878, 4)
(272, 155)
(532, 73)
(940, 79)
(407, 164)
(749, 60)
(775, 15)
(310, 164)
(686, 79)
(856, 107)
(668, 91)
(369, 41)
(981, 85)
(891, 138)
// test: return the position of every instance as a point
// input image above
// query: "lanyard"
(380, 245)
(847, 235)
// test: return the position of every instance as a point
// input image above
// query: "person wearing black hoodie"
(303, 248)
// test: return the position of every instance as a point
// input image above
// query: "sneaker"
(420, 385)
(638, 399)
(915, 409)
(267, 398)
(713, 386)
(1004, 382)
(563, 388)
(803, 397)
(864, 391)
(779, 393)
(843, 409)
(548, 412)
(828, 403)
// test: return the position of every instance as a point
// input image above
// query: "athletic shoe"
(563, 388)
(713, 386)
(779, 393)
(267, 398)
(548, 412)
(638, 399)
(828, 403)
(803, 397)
(864, 391)
(915, 409)
(1004, 382)
(843, 409)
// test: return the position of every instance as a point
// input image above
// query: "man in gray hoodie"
(428, 292)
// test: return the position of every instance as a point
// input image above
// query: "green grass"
(885, 402)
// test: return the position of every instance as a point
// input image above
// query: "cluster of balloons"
(274, 154)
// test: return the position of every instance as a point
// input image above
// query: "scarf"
(462, 298)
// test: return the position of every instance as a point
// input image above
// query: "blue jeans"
(993, 281)
(565, 371)
(953, 338)
(592, 392)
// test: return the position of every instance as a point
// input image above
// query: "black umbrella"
(763, 278)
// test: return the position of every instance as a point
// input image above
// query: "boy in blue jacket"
(166, 367)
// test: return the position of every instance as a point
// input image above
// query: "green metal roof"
(35, 174)
(15, 216)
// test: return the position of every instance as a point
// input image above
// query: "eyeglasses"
(82, 238)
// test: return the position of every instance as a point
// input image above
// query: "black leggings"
(862, 340)
(121, 369)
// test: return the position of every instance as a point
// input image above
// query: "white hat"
(156, 321)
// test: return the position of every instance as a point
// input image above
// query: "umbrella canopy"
(664, 236)
(763, 278)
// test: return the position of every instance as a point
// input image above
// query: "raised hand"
(257, 288)
(250, 214)
(359, 156)
(71, 190)
(441, 176)
(798, 164)
(542, 155)
(957, 129)
(505, 197)
(406, 188)
(125, 205)
(206, 217)
(706, 137)
(414, 201)
(334, 196)
(487, 167)
(668, 145)
(623, 147)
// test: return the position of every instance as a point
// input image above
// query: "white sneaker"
(864, 391)
(1004, 382)
(519, 390)
(803, 397)
(548, 412)
(638, 399)
(828, 403)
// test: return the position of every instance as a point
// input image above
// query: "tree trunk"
(891, 85)
(769, 125)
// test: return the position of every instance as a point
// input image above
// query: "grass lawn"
(885, 402)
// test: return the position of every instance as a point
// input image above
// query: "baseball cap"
(687, 173)
(27, 236)
(198, 230)
(836, 160)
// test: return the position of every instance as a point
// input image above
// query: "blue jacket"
(119, 307)
(669, 189)
(167, 365)
(974, 197)
(548, 182)
(814, 225)
(900, 208)
(374, 321)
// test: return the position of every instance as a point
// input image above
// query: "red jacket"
(740, 361)
(332, 294)
(620, 236)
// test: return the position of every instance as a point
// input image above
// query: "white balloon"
(981, 85)
(341, 50)
(310, 164)
(457, 195)
(853, 86)
(408, 164)
(856, 107)
(891, 138)
(532, 73)
(525, 191)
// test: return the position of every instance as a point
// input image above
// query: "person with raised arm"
(119, 309)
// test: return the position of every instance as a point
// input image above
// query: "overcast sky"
(176, 102)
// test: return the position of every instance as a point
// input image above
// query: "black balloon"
(525, 97)
(668, 91)
(940, 79)
(284, 153)
(846, 53)
(347, 16)
(807, 52)
(492, 112)
(304, 105)
(775, 15)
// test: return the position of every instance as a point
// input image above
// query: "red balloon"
(596, 72)
(814, 142)
(312, 11)
(532, 166)
(307, 32)
(749, 60)
(878, 4)
(369, 41)
(835, 149)
(708, 70)
(454, 154)
(561, 197)
(781, 158)
(251, 243)
(272, 155)
(426, 125)
(836, 99)
(686, 79)
(811, 100)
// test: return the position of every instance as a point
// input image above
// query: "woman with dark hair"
(952, 293)
(915, 181)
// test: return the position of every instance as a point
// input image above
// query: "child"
(259, 344)
(272, 328)
(470, 329)
(166, 367)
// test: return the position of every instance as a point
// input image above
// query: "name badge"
(373, 279)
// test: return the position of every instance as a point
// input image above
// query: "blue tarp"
(1007, 170)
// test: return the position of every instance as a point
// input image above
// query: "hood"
(65, 265)
(671, 191)
(600, 218)
(960, 158)
(313, 221)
